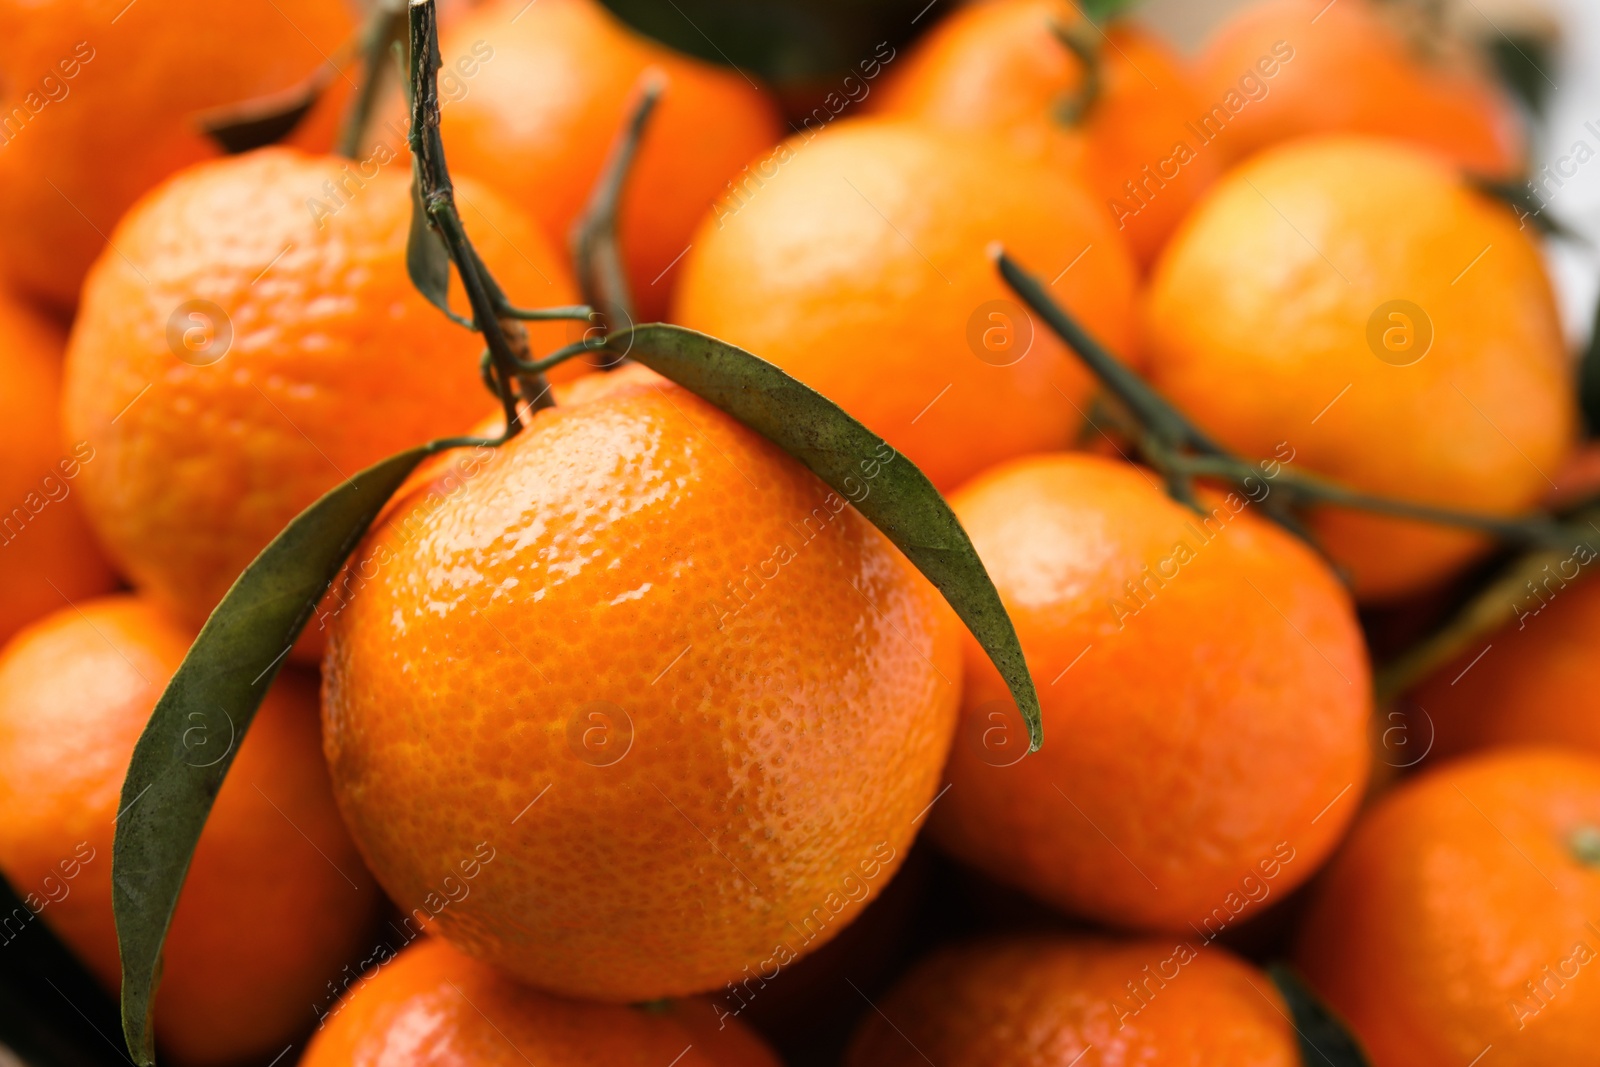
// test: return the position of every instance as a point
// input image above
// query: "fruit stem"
(492, 316)
(595, 247)
(384, 29)
(1182, 452)
(1074, 106)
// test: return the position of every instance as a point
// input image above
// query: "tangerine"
(253, 340)
(100, 102)
(275, 898)
(1208, 680)
(689, 698)
(1354, 302)
(550, 88)
(1000, 66)
(861, 266)
(1082, 1001)
(1460, 915)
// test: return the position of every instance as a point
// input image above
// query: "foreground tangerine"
(861, 265)
(550, 88)
(687, 695)
(101, 101)
(48, 557)
(1001, 66)
(275, 899)
(1461, 915)
(1207, 674)
(445, 1009)
(1282, 69)
(1078, 1001)
(1355, 302)
(253, 341)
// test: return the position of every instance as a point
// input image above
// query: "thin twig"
(384, 27)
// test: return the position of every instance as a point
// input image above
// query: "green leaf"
(1103, 11)
(166, 796)
(900, 500)
(265, 120)
(427, 259)
(1324, 1040)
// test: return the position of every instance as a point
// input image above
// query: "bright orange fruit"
(534, 95)
(48, 558)
(688, 697)
(1281, 69)
(1085, 1002)
(101, 101)
(860, 264)
(253, 340)
(1000, 66)
(1204, 679)
(444, 1009)
(1460, 917)
(276, 898)
(1354, 303)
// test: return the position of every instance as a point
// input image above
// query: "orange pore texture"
(1205, 697)
(1342, 68)
(1259, 324)
(47, 555)
(1533, 680)
(544, 91)
(1460, 916)
(102, 100)
(336, 361)
(433, 1007)
(860, 264)
(1086, 1002)
(276, 897)
(999, 66)
(688, 699)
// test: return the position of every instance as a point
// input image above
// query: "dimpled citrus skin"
(1211, 741)
(1529, 683)
(1350, 72)
(1000, 66)
(1257, 324)
(438, 1008)
(777, 753)
(1453, 894)
(276, 898)
(141, 74)
(47, 554)
(1056, 1001)
(336, 360)
(539, 117)
(861, 266)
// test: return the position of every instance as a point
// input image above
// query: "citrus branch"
(595, 247)
(513, 375)
(384, 29)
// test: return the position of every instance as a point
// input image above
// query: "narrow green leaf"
(427, 259)
(1103, 11)
(265, 120)
(1324, 1040)
(895, 496)
(166, 796)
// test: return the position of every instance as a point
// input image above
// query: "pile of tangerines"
(614, 737)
